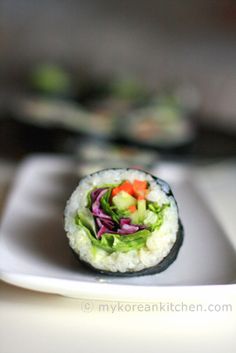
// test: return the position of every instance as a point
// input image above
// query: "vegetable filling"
(120, 217)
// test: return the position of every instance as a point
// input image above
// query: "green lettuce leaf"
(107, 208)
(87, 219)
(155, 215)
(116, 242)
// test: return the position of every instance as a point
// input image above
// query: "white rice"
(158, 245)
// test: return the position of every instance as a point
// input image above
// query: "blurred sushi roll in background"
(93, 155)
(124, 222)
(163, 123)
(119, 109)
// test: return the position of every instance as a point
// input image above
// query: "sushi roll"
(124, 222)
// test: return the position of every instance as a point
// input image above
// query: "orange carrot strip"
(141, 197)
(140, 185)
(128, 187)
(115, 191)
(132, 208)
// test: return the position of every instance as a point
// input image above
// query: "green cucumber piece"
(141, 210)
(134, 217)
(123, 201)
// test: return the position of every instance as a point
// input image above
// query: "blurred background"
(116, 83)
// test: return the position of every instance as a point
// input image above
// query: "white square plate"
(34, 252)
